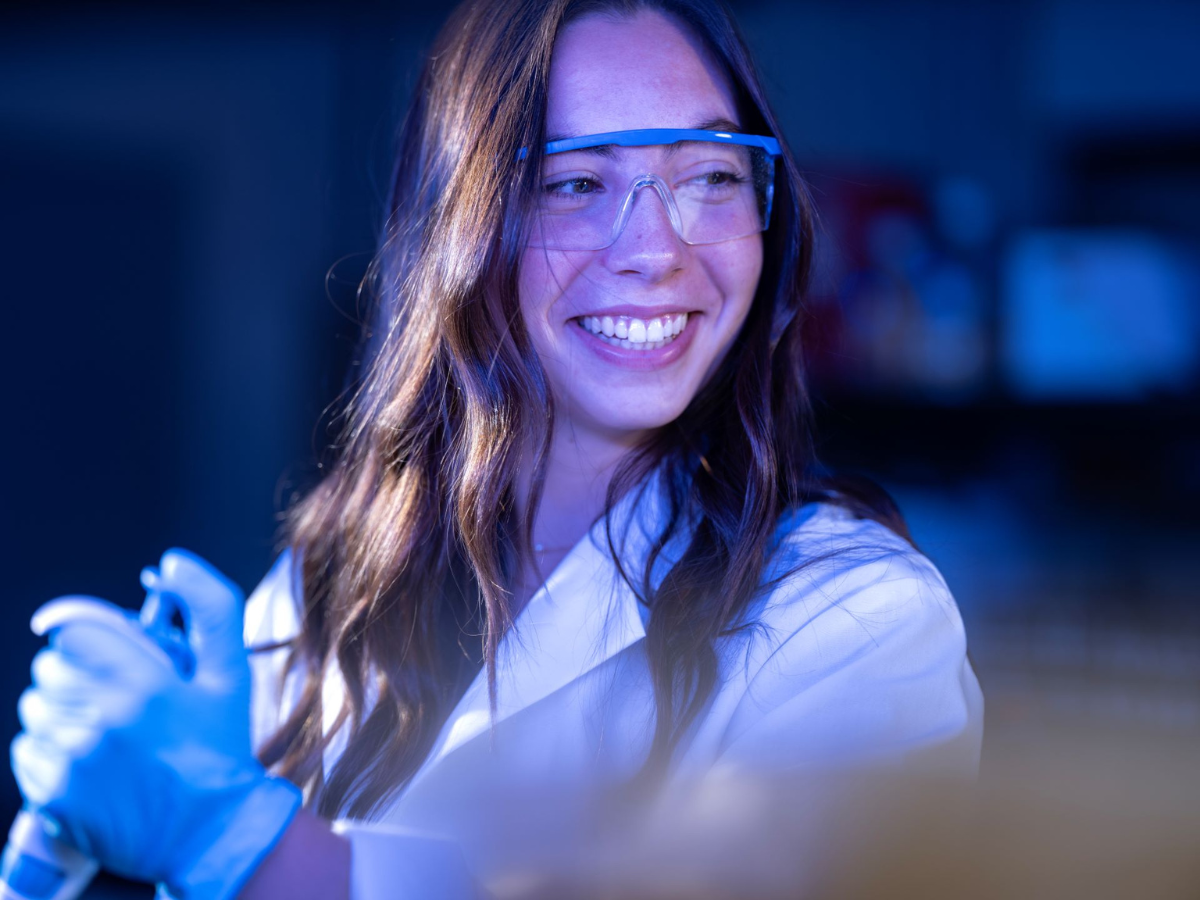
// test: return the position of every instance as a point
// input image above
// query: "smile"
(632, 333)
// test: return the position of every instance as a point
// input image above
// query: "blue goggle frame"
(645, 137)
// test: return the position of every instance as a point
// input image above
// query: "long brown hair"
(414, 531)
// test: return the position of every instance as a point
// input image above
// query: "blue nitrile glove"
(144, 768)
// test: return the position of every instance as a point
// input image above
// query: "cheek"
(536, 294)
(735, 269)
(531, 287)
(542, 279)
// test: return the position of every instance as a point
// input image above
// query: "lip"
(639, 360)
(640, 312)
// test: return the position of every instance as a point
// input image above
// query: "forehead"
(641, 71)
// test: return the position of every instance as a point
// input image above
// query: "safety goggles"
(716, 186)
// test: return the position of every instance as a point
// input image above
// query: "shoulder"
(856, 649)
(272, 609)
(826, 559)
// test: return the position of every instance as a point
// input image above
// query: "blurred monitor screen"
(1097, 315)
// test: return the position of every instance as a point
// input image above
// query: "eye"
(571, 188)
(719, 178)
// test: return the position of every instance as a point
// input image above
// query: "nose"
(647, 244)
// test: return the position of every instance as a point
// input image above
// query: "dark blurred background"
(1005, 328)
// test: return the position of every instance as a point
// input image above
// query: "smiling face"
(582, 307)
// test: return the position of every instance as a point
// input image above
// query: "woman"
(573, 539)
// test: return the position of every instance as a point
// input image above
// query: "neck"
(579, 467)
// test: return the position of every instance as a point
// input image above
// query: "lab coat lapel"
(582, 616)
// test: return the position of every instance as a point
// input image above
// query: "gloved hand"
(146, 769)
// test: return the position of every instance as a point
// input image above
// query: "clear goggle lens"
(712, 192)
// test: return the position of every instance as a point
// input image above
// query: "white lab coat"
(860, 660)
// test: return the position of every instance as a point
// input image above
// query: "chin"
(639, 425)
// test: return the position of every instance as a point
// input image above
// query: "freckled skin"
(617, 74)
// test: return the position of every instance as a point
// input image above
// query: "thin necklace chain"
(542, 548)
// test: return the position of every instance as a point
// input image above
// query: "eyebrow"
(606, 150)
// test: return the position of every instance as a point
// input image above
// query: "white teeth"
(632, 333)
